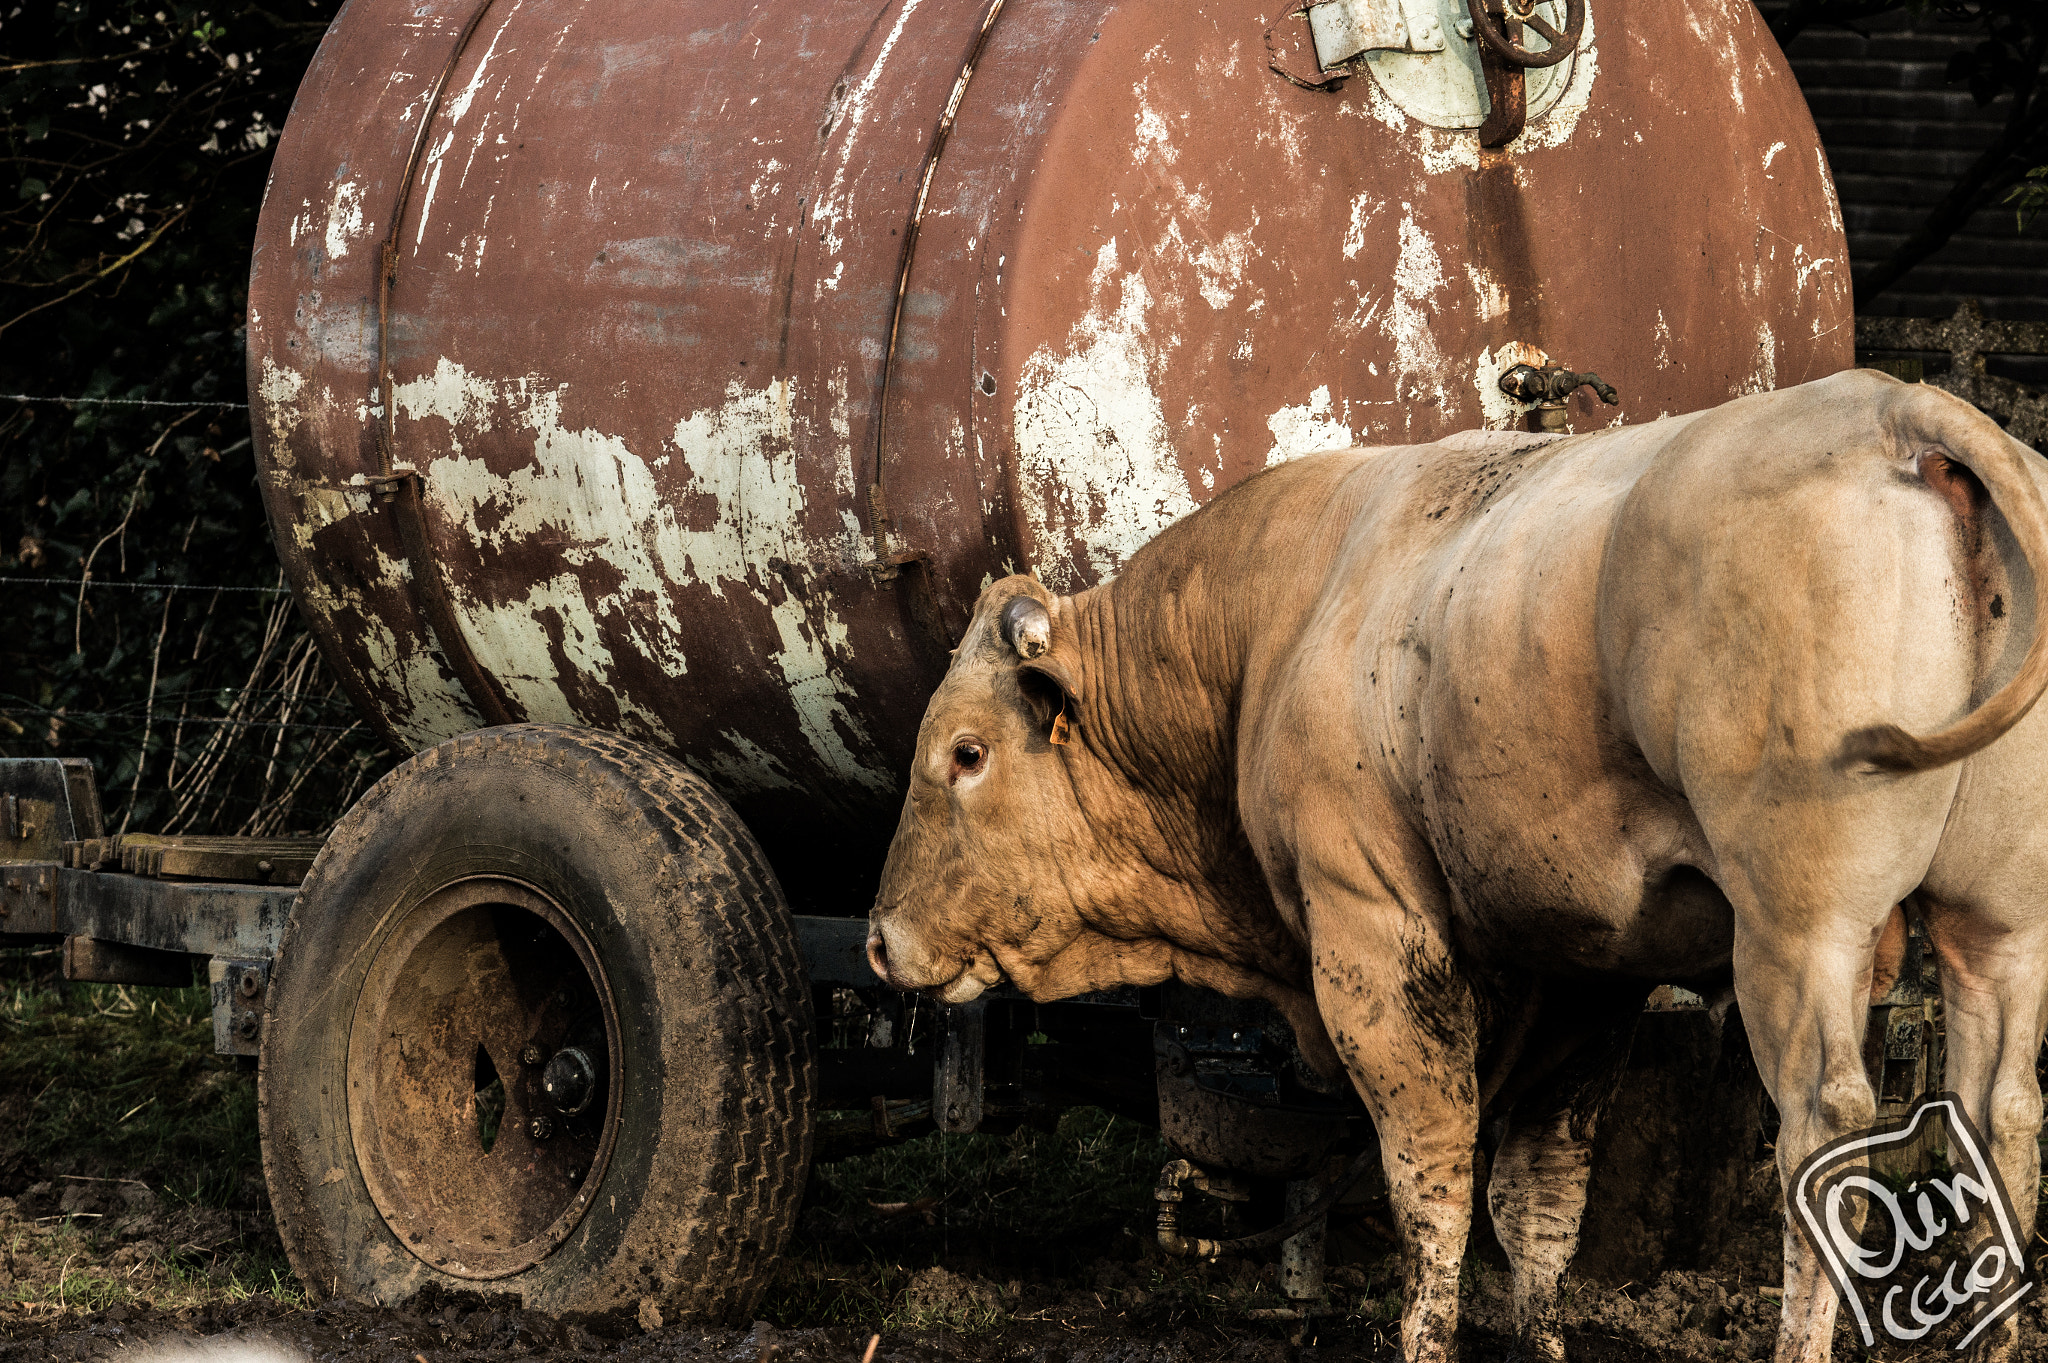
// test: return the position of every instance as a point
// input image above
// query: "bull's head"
(980, 880)
(1068, 855)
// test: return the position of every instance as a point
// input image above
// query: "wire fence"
(122, 402)
(141, 718)
(241, 728)
(74, 583)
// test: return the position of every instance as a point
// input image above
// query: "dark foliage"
(138, 139)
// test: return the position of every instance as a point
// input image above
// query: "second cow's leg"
(1537, 1193)
(1402, 1016)
(1992, 977)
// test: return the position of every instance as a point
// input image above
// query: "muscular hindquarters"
(1761, 601)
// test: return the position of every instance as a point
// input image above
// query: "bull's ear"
(1049, 676)
(1049, 688)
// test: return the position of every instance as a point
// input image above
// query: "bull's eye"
(968, 758)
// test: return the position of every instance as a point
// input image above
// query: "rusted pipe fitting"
(1549, 387)
(1169, 1196)
(1553, 384)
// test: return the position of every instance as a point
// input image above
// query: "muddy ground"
(1682, 1318)
(134, 1225)
(143, 1279)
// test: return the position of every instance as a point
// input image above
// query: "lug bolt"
(532, 1055)
(248, 986)
(246, 1026)
(540, 1128)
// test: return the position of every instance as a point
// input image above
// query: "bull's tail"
(1925, 417)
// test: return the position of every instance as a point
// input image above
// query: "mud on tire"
(513, 921)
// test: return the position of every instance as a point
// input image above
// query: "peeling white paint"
(1663, 339)
(277, 398)
(595, 500)
(1807, 268)
(1492, 297)
(753, 769)
(1091, 434)
(1419, 368)
(344, 219)
(1763, 376)
(434, 707)
(1219, 268)
(320, 507)
(458, 108)
(1441, 152)
(1308, 429)
(835, 205)
(1362, 210)
(1154, 139)
(1827, 185)
(1771, 154)
(1498, 411)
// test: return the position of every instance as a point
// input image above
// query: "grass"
(129, 1157)
(130, 1175)
(972, 1234)
(104, 1080)
(1085, 1178)
(1030, 1204)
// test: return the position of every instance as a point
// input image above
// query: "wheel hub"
(570, 1080)
(479, 1158)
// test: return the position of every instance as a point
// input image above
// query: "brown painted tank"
(685, 368)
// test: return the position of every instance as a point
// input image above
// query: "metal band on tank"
(889, 559)
(401, 488)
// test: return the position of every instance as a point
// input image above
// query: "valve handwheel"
(1497, 22)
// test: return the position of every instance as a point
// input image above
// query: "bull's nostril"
(878, 956)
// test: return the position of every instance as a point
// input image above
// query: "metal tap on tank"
(685, 369)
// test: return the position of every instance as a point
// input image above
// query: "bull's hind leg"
(1994, 965)
(1807, 928)
(1403, 1018)
(1537, 1192)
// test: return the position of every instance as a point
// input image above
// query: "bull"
(1451, 752)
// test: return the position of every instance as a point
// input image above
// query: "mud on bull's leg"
(1537, 1193)
(1405, 1023)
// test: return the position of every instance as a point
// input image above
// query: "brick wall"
(1896, 134)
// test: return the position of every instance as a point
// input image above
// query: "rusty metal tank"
(684, 369)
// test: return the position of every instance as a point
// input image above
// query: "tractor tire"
(538, 1028)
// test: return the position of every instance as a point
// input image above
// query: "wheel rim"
(475, 994)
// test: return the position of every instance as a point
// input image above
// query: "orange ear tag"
(1059, 728)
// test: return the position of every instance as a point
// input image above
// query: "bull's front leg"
(1402, 1017)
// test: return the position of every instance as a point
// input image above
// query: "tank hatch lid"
(1345, 28)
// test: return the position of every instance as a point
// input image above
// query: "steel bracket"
(28, 897)
(240, 991)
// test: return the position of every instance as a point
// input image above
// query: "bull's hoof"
(1999, 1344)
(1540, 1344)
